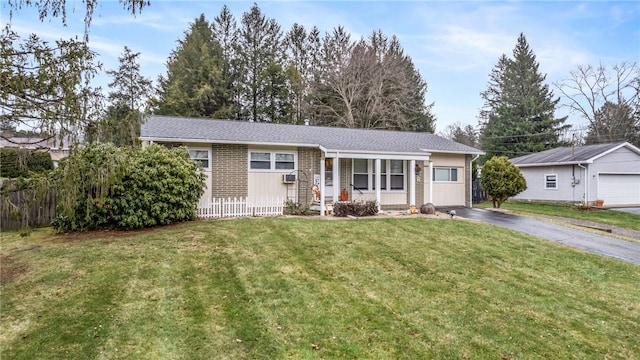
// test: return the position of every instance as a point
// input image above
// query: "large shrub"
(103, 186)
(15, 163)
(500, 179)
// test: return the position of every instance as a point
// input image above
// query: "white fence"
(239, 207)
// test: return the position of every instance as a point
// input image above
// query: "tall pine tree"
(225, 32)
(260, 55)
(194, 85)
(518, 114)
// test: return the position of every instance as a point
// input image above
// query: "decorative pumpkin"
(344, 195)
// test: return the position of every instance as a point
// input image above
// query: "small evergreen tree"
(129, 94)
(500, 179)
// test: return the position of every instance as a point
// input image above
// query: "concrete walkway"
(579, 239)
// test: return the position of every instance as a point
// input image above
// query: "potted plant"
(599, 202)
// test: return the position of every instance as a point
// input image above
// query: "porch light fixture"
(417, 169)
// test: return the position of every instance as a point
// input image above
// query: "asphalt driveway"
(579, 239)
(632, 210)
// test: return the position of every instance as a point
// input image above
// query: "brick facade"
(308, 165)
(229, 177)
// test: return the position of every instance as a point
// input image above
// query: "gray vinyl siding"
(536, 190)
(623, 160)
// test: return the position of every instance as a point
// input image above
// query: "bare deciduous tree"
(589, 88)
(370, 84)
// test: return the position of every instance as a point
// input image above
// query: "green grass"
(607, 217)
(299, 288)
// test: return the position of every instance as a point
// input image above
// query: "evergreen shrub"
(106, 187)
(501, 180)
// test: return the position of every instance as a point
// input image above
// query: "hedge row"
(15, 163)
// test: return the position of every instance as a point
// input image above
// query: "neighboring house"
(255, 160)
(52, 146)
(583, 174)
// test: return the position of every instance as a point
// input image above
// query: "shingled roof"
(569, 155)
(180, 129)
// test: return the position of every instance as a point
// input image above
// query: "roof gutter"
(327, 152)
(555, 163)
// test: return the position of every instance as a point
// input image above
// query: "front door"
(328, 177)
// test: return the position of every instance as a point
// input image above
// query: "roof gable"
(570, 155)
(169, 128)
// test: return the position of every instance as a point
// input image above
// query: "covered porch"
(389, 179)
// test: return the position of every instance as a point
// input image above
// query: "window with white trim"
(445, 174)
(392, 175)
(361, 174)
(285, 161)
(272, 160)
(551, 181)
(260, 160)
(202, 156)
(396, 173)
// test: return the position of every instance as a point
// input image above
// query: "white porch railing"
(240, 207)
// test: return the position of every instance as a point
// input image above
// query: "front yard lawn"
(300, 288)
(607, 217)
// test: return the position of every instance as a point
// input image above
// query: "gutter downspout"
(471, 180)
(336, 178)
(586, 187)
(430, 180)
(323, 156)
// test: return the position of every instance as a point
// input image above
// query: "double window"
(392, 174)
(202, 156)
(272, 160)
(551, 181)
(445, 174)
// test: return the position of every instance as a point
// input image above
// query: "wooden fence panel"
(478, 194)
(19, 208)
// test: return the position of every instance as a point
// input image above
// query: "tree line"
(253, 70)
(249, 69)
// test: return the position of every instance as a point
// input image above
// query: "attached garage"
(619, 189)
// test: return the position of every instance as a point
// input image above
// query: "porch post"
(412, 183)
(322, 187)
(336, 179)
(430, 181)
(377, 180)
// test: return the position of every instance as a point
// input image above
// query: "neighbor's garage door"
(619, 189)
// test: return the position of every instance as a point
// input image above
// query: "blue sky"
(454, 44)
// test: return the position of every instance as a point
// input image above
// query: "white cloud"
(154, 21)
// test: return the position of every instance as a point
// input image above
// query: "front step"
(328, 208)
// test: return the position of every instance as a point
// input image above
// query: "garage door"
(619, 189)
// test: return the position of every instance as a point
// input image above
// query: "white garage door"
(619, 189)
